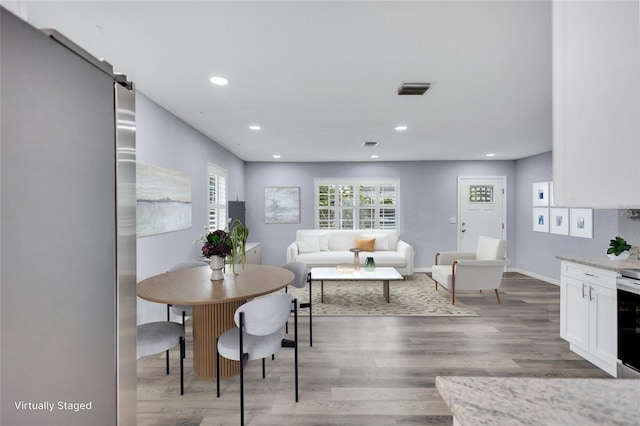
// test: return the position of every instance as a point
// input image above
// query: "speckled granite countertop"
(604, 262)
(512, 401)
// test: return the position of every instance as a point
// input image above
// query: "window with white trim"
(217, 197)
(356, 203)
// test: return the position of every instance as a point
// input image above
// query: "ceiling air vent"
(413, 88)
(370, 144)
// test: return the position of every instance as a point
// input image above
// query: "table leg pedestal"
(385, 289)
(209, 322)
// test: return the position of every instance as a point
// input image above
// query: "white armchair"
(481, 270)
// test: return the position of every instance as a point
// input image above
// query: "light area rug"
(415, 296)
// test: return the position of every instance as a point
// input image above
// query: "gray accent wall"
(428, 198)
(164, 140)
(58, 234)
(537, 251)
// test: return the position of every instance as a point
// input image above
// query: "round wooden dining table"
(214, 304)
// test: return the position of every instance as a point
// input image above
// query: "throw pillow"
(382, 242)
(366, 244)
(311, 245)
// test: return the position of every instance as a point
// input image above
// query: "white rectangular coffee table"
(384, 274)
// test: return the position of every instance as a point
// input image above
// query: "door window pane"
(481, 193)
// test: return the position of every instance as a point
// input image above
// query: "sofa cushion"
(341, 241)
(366, 244)
(309, 245)
(382, 241)
(325, 258)
(324, 242)
(333, 258)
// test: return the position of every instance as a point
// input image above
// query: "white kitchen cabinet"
(588, 313)
(575, 313)
(253, 253)
(596, 103)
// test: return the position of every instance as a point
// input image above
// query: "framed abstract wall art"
(559, 221)
(541, 219)
(282, 205)
(581, 223)
(163, 200)
(540, 194)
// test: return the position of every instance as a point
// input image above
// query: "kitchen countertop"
(604, 262)
(537, 401)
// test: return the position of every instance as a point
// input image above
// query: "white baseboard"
(536, 276)
(518, 270)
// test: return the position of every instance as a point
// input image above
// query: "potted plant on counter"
(618, 249)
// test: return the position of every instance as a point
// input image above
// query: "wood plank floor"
(376, 370)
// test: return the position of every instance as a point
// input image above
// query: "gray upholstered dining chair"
(479, 270)
(302, 277)
(161, 336)
(183, 310)
(259, 333)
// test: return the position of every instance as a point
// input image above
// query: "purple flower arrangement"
(217, 243)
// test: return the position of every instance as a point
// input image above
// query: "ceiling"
(321, 77)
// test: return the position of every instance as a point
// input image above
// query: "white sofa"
(330, 247)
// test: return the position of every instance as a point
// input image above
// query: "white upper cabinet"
(596, 103)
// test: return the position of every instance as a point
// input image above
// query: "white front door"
(481, 210)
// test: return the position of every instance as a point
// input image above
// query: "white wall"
(166, 141)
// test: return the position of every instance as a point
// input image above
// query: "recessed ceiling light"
(254, 127)
(401, 128)
(276, 156)
(219, 81)
(375, 156)
(490, 155)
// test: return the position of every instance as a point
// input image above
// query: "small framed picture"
(541, 193)
(581, 223)
(540, 219)
(559, 221)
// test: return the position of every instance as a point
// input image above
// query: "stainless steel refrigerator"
(67, 234)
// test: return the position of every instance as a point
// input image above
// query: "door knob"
(462, 230)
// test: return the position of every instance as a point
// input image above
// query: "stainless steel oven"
(629, 323)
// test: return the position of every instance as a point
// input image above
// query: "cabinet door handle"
(590, 295)
(583, 287)
(589, 275)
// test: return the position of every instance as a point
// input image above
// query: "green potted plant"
(618, 249)
(239, 235)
